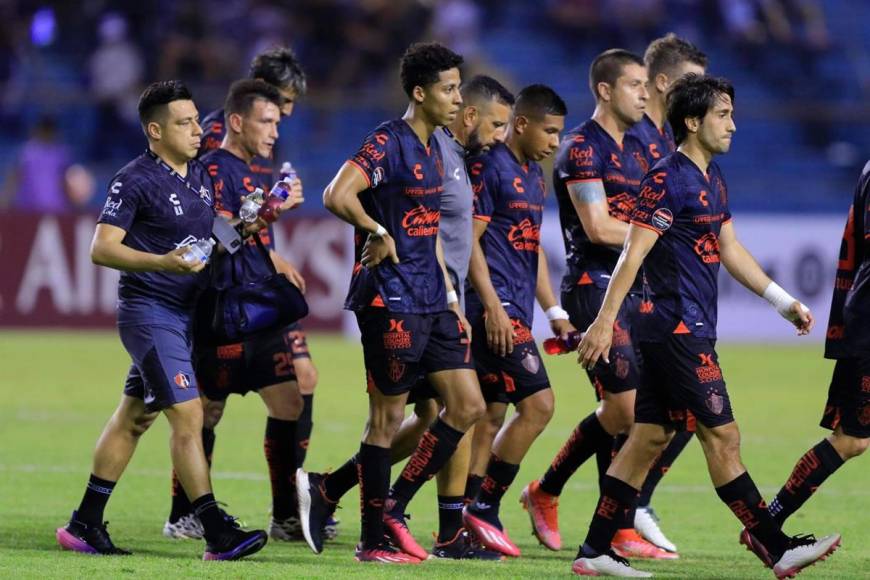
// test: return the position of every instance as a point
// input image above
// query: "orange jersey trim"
(361, 170)
(571, 181)
(483, 218)
(646, 226)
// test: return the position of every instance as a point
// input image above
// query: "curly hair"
(422, 62)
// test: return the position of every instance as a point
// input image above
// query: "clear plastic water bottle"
(200, 250)
(249, 209)
(287, 171)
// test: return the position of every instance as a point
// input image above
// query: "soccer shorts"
(848, 405)
(682, 384)
(623, 372)
(400, 348)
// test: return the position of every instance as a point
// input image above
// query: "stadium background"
(70, 74)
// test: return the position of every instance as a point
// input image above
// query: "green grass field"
(59, 389)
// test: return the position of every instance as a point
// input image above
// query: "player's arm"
(599, 335)
(499, 330)
(547, 298)
(452, 297)
(107, 249)
(745, 269)
(282, 266)
(590, 203)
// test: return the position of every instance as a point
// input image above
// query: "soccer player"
(481, 122)
(847, 410)
(406, 308)
(681, 230)
(508, 271)
(157, 206)
(280, 68)
(597, 175)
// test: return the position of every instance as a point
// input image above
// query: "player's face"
(180, 132)
(289, 96)
(492, 121)
(442, 100)
(260, 128)
(540, 139)
(629, 94)
(717, 127)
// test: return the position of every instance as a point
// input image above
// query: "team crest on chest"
(176, 204)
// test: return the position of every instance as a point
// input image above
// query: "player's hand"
(499, 331)
(595, 344)
(801, 317)
(295, 277)
(174, 262)
(561, 327)
(293, 200)
(377, 249)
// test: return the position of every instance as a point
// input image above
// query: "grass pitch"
(59, 389)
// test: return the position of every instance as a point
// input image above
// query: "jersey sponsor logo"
(707, 247)
(397, 337)
(659, 177)
(418, 171)
(702, 197)
(421, 221)
(182, 380)
(518, 185)
(377, 176)
(641, 161)
(457, 174)
(662, 219)
(531, 362)
(709, 371)
(176, 204)
(230, 351)
(621, 205)
(522, 333)
(395, 369)
(581, 156)
(654, 151)
(525, 236)
(248, 184)
(112, 207)
(188, 241)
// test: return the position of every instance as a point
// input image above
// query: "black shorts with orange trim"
(848, 404)
(623, 372)
(239, 368)
(682, 384)
(511, 378)
(400, 348)
(299, 345)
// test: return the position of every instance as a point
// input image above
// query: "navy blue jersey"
(657, 143)
(213, 132)
(849, 322)
(510, 197)
(160, 211)
(404, 195)
(233, 178)
(687, 209)
(588, 153)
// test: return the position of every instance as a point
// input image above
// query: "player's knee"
(426, 411)
(141, 424)
(848, 446)
(213, 411)
(306, 376)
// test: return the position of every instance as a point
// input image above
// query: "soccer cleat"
(628, 544)
(464, 547)
(804, 551)
(397, 530)
(330, 528)
(646, 522)
(187, 527)
(87, 539)
(384, 554)
(756, 547)
(491, 536)
(235, 544)
(543, 511)
(286, 530)
(315, 510)
(609, 564)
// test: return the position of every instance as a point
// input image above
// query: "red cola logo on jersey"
(525, 236)
(707, 247)
(621, 205)
(421, 221)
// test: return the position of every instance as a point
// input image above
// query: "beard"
(474, 146)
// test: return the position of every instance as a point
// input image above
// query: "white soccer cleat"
(186, 528)
(646, 522)
(805, 551)
(607, 565)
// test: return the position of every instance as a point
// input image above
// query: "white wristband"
(779, 299)
(380, 232)
(452, 297)
(556, 313)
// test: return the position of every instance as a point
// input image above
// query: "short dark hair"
(535, 101)
(484, 88)
(607, 67)
(243, 93)
(422, 63)
(693, 96)
(664, 54)
(279, 67)
(158, 95)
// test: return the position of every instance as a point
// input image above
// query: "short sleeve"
(580, 161)
(122, 203)
(373, 159)
(484, 187)
(657, 203)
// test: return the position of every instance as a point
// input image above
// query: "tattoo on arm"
(587, 191)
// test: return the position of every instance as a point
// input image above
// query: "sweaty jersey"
(849, 322)
(510, 197)
(160, 211)
(656, 143)
(213, 132)
(588, 153)
(404, 195)
(686, 208)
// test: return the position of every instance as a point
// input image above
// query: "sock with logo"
(811, 471)
(94, 502)
(583, 442)
(617, 497)
(744, 500)
(499, 477)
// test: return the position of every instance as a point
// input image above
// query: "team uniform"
(509, 196)
(407, 331)
(160, 211)
(587, 154)
(656, 143)
(683, 382)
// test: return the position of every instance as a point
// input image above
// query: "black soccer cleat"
(463, 546)
(315, 510)
(87, 539)
(235, 544)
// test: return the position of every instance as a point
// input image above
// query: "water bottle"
(282, 189)
(287, 172)
(249, 209)
(557, 345)
(199, 250)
